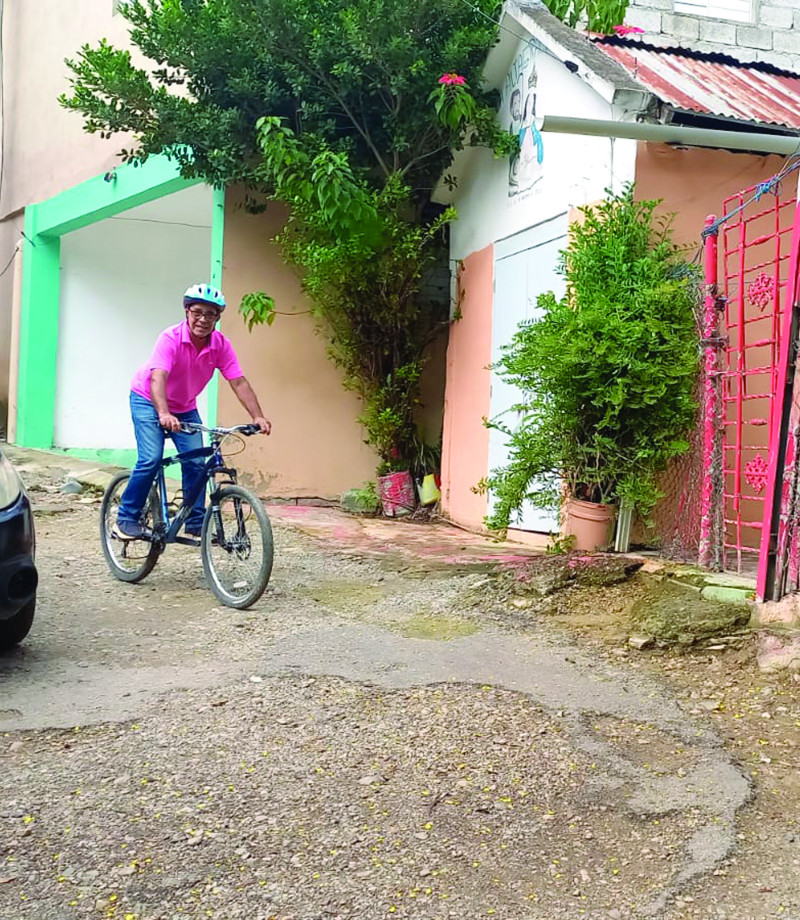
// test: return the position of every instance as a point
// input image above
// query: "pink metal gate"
(779, 565)
(742, 365)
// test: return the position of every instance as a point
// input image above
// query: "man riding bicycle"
(163, 397)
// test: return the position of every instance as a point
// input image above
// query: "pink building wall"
(465, 440)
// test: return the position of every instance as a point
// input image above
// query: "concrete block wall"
(773, 36)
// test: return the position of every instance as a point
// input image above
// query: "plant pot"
(428, 490)
(589, 522)
(396, 493)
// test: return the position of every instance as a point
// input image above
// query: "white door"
(525, 266)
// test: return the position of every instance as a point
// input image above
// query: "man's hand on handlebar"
(169, 422)
(258, 426)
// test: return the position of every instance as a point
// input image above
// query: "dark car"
(18, 576)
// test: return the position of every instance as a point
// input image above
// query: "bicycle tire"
(128, 560)
(229, 551)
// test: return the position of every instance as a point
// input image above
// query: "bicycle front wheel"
(129, 560)
(236, 546)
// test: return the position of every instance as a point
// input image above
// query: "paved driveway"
(376, 737)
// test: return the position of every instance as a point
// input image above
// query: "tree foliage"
(608, 372)
(354, 75)
(599, 15)
(337, 109)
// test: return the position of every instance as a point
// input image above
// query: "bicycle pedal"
(188, 541)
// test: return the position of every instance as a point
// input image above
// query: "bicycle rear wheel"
(236, 546)
(129, 560)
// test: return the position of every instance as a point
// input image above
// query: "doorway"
(525, 267)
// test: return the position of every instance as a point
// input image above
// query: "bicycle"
(236, 537)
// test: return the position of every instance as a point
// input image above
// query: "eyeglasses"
(209, 316)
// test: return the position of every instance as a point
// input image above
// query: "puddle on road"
(427, 626)
(363, 601)
(347, 597)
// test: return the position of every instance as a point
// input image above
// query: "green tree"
(348, 111)
(599, 15)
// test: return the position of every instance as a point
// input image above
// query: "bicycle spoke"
(129, 560)
(237, 547)
(236, 560)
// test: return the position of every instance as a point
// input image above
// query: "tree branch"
(361, 130)
(416, 160)
(323, 78)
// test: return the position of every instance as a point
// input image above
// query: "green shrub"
(608, 372)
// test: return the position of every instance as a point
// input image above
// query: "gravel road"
(371, 740)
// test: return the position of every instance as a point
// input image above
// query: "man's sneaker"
(197, 534)
(129, 530)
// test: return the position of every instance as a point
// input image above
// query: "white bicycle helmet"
(204, 293)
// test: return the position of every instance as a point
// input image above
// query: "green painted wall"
(96, 199)
(217, 250)
(38, 344)
(45, 223)
(124, 458)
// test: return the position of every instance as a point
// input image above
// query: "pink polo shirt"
(189, 369)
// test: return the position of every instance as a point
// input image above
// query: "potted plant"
(395, 487)
(607, 375)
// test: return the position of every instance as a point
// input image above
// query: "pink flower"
(628, 30)
(452, 79)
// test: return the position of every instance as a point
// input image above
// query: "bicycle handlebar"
(247, 430)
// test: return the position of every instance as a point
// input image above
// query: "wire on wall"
(763, 188)
(10, 261)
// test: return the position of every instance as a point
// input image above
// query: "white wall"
(575, 170)
(759, 30)
(122, 282)
(522, 209)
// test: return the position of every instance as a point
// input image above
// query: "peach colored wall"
(694, 183)
(46, 151)
(316, 448)
(465, 448)
(46, 148)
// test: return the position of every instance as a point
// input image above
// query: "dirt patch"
(757, 717)
(179, 813)
(540, 576)
(340, 596)
(645, 606)
(647, 745)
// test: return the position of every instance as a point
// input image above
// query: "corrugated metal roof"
(710, 84)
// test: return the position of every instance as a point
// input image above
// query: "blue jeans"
(150, 439)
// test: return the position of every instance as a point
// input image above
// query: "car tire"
(13, 631)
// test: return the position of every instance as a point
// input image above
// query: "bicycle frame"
(167, 531)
